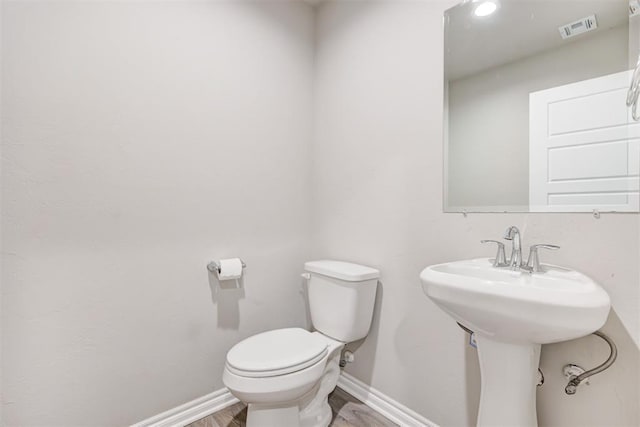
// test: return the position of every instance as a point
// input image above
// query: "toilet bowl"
(285, 392)
(285, 375)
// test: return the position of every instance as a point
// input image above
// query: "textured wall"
(140, 140)
(378, 200)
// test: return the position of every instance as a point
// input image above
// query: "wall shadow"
(304, 294)
(472, 380)
(226, 295)
(366, 366)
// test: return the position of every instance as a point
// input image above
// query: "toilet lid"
(277, 352)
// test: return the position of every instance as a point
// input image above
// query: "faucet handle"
(533, 262)
(501, 258)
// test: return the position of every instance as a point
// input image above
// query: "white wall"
(141, 140)
(489, 116)
(378, 200)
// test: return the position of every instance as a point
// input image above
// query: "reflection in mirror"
(535, 115)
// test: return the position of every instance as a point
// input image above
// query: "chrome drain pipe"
(575, 381)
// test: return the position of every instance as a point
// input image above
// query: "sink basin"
(542, 308)
(512, 313)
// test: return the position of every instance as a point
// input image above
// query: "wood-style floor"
(347, 412)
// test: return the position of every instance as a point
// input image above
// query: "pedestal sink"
(512, 313)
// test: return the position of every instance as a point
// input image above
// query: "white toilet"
(285, 375)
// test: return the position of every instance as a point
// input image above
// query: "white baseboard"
(192, 411)
(382, 403)
(206, 405)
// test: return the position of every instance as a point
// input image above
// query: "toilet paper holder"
(214, 266)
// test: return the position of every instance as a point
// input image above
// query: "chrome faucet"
(513, 234)
(515, 262)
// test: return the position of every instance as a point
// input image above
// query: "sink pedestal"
(508, 385)
(512, 313)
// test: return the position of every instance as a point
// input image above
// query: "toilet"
(285, 375)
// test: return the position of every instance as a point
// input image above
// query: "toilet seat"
(277, 352)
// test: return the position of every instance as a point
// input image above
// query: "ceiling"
(519, 28)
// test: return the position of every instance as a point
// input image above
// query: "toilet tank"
(341, 298)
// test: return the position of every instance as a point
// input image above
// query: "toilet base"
(273, 416)
(311, 410)
(290, 416)
(314, 408)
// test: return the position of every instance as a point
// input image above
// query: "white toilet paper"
(230, 269)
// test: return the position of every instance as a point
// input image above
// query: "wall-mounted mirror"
(535, 115)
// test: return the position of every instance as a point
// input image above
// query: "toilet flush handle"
(306, 276)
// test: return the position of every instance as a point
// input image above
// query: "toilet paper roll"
(230, 269)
